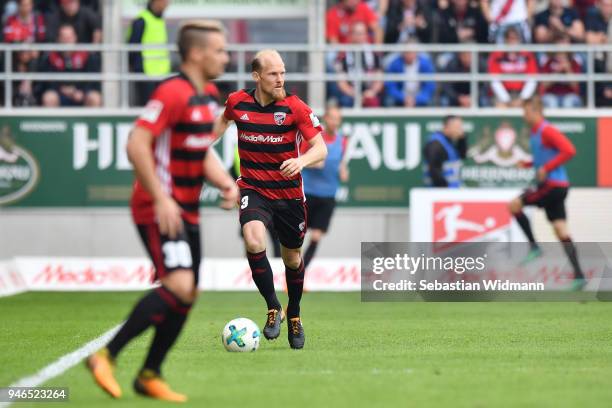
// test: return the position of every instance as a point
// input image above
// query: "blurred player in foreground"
(169, 148)
(550, 149)
(321, 181)
(270, 124)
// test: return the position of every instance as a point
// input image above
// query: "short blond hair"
(190, 34)
(535, 102)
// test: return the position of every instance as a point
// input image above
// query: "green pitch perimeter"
(357, 354)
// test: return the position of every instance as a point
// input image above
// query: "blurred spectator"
(411, 92)
(556, 21)
(7, 9)
(504, 14)
(149, 28)
(26, 26)
(86, 22)
(457, 93)
(406, 19)
(581, 6)
(462, 21)
(561, 94)
(65, 93)
(599, 31)
(51, 6)
(512, 93)
(343, 15)
(347, 63)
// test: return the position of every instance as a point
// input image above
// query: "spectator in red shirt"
(26, 26)
(512, 93)
(343, 15)
(561, 94)
(66, 93)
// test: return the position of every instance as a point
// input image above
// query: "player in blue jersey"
(551, 149)
(321, 181)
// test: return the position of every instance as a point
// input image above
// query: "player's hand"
(168, 215)
(542, 174)
(344, 173)
(291, 167)
(229, 197)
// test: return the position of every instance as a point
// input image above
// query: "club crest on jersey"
(279, 117)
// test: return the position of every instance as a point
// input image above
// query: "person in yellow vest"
(149, 28)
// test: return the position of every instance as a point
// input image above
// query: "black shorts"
(169, 255)
(320, 211)
(551, 198)
(286, 217)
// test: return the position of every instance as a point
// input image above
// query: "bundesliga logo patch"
(279, 117)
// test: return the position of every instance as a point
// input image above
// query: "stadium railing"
(116, 77)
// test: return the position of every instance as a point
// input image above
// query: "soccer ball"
(240, 334)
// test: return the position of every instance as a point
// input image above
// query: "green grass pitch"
(356, 355)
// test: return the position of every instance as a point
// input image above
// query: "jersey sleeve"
(230, 102)
(162, 110)
(307, 122)
(552, 137)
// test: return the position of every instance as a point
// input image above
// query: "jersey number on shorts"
(177, 254)
(244, 203)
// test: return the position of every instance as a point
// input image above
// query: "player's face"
(272, 77)
(529, 114)
(214, 58)
(332, 119)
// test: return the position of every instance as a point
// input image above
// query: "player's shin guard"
(572, 255)
(295, 287)
(151, 308)
(310, 251)
(263, 278)
(166, 333)
(525, 225)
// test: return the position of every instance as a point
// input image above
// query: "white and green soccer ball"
(241, 334)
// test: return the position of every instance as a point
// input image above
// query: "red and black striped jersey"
(181, 120)
(267, 136)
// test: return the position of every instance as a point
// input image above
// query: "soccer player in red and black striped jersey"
(271, 124)
(170, 150)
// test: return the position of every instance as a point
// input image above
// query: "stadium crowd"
(53, 21)
(467, 22)
(362, 23)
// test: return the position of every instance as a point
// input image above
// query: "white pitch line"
(64, 363)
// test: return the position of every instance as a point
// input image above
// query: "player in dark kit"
(169, 148)
(270, 126)
(550, 149)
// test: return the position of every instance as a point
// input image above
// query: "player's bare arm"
(316, 153)
(220, 126)
(140, 155)
(218, 177)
